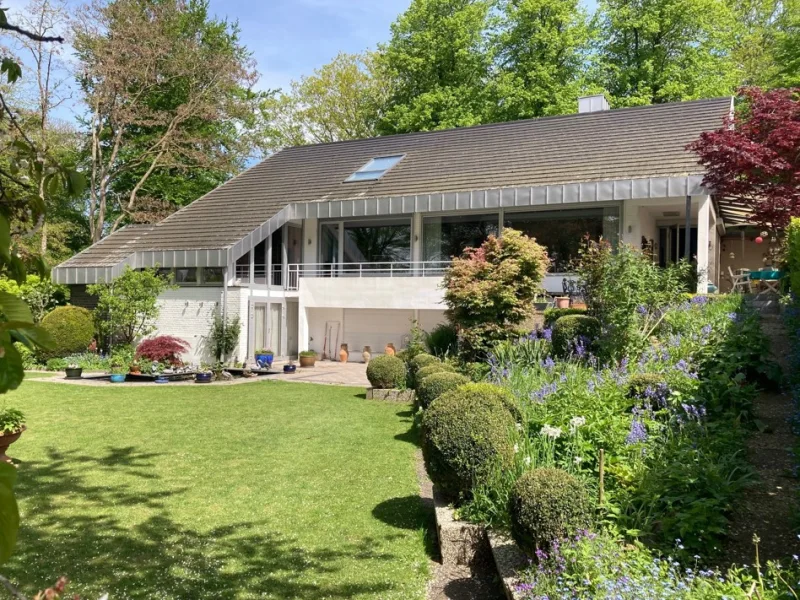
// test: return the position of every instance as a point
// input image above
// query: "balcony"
(260, 275)
(360, 270)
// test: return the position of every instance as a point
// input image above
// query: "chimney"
(596, 103)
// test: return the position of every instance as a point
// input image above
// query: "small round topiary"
(437, 384)
(420, 361)
(71, 329)
(465, 436)
(386, 372)
(438, 367)
(572, 327)
(640, 382)
(547, 505)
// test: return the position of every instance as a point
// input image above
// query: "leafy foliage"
(224, 335)
(128, 306)
(573, 334)
(489, 291)
(792, 254)
(11, 420)
(71, 329)
(422, 360)
(163, 349)
(386, 372)
(437, 367)
(551, 315)
(754, 156)
(465, 432)
(442, 340)
(546, 506)
(434, 385)
(41, 295)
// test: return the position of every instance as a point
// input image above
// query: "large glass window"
(447, 237)
(562, 232)
(377, 241)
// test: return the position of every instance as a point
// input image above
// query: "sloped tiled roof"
(112, 249)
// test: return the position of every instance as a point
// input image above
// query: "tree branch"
(30, 35)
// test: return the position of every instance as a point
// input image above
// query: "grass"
(268, 490)
(40, 374)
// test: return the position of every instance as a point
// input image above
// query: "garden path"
(769, 508)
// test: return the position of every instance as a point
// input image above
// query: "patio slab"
(329, 373)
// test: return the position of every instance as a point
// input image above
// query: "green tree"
(342, 100)
(653, 51)
(787, 45)
(437, 62)
(128, 306)
(541, 49)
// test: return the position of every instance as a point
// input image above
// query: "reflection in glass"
(186, 275)
(213, 275)
(383, 242)
(446, 237)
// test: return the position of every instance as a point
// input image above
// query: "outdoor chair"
(741, 282)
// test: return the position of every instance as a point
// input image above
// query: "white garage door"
(376, 328)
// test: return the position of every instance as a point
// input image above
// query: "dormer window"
(375, 168)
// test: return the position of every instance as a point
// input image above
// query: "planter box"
(509, 560)
(307, 361)
(390, 395)
(460, 543)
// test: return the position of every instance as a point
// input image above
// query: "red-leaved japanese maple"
(163, 348)
(755, 157)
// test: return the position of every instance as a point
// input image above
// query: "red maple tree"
(755, 157)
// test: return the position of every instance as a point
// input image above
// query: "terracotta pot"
(307, 361)
(581, 305)
(6, 440)
(390, 350)
(562, 302)
(366, 354)
(343, 353)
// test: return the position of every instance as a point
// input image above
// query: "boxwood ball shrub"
(551, 315)
(420, 361)
(465, 434)
(547, 504)
(437, 367)
(639, 382)
(569, 328)
(386, 372)
(436, 384)
(72, 330)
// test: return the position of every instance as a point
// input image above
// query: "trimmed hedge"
(639, 382)
(430, 370)
(420, 361)
(465, 435)
(436, 384)
(546, 505)
(551, 315)
(72, 330)
(570, 327)
(386, 372)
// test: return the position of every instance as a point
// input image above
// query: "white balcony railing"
(375, 269)
(260, 274)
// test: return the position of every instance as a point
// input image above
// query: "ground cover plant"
(268, 490)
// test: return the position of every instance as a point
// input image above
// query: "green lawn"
(268, 490)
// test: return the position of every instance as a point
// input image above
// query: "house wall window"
(446, 237)
(562, 232)
(377, 241)
(194, 276)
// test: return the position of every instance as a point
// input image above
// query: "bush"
(640, 382)
(436, 384)
(163, 349)
(551, 315)
(29, 362)
(466, 436)
(431, 369)
(386, 372)
(572, 328)
(56, 364)
(71, 329)
(546, 505)
(443, 340)
(792, 254)
(420, 361)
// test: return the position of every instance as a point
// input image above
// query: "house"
(346, 242)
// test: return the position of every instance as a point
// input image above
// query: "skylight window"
(375, 168)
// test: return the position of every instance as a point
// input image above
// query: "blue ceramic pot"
(265, 360)
(203, 377)
(289, 368)
(117, 378)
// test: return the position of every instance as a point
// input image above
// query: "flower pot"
(203, 378)
(344, 354)
(580, 305)
(562, 302)
(117, 378)
(6, 439)
(366, 354)
(74, 373)
(307, 361)
(289, 368)
(265, 360)
(390, 350)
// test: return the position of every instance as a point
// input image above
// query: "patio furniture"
(740, 280)
(770, 279)
(572, 289)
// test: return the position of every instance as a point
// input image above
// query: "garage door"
(376, 328)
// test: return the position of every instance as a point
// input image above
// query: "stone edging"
(390, 395)
(509, 560)
(460, 543)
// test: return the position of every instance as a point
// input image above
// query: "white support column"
(703, 215)
(302, 326)
(284, 255)
(269, 262)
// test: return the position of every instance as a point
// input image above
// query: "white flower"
(527, 461)
(578, 460)
(551, 432)
(519, 426)
(516, 448)
(576, 422)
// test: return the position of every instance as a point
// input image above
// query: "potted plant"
(136, 368)
(218, 369)
(264, 358)
(12, 424)
(204, 375)
(118, 373)
(73, 371)
(308, 358)
(562, 302)
(290, 367)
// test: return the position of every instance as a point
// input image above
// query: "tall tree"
(437, 62)
(342, 100)
(168, 90)
(755, 156)
(541, 49)
(653, 51)
(756, 39)
(787, 45)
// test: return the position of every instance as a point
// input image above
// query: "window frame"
(353, 177)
